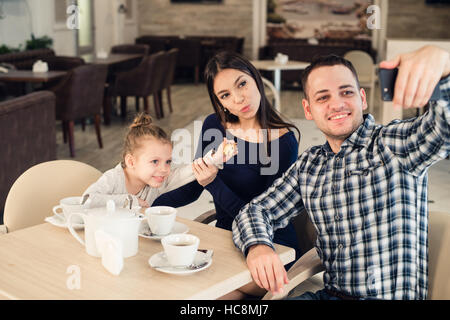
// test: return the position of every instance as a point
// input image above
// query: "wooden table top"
(111, 59)
(40, 262)
(30, 76)
(271, 65)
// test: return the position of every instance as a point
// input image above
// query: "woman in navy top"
(266, 145)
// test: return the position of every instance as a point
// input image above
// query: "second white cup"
(180, 249)
(68, 206)
(161, 219)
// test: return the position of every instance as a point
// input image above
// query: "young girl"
(145, 170)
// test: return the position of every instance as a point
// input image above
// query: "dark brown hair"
(327, 60)
(142, 127)
(267, 116)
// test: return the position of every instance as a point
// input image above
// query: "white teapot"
(121, 224)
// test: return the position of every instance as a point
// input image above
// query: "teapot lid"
(113, 212)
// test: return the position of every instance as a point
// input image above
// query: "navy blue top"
(242, 178)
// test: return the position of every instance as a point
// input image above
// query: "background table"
(30, 76)
(271, 65)
(35, 264)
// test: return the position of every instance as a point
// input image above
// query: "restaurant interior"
(74, 74)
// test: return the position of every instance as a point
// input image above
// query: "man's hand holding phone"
(418, 74)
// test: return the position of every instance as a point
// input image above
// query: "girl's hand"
(143, 203)
(203, 172)
(226, 150)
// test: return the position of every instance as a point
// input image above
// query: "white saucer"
(161, 259)
(61, 222)
(178, 227)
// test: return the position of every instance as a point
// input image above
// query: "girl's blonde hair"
(141, 128)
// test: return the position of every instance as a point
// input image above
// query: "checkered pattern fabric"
(368, 203)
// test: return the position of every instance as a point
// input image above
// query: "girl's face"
(237, 91)
(151, 162)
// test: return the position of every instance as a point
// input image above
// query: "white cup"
(67, 206)
(161, 219)
(180, 249)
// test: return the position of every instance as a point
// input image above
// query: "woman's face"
(237, 91)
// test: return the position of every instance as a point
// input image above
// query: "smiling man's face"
(335, 102)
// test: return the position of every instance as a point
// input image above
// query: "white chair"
(438, 256)
(272, 93)
(33, 195)
(365, 68)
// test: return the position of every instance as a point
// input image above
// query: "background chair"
(27, 137)
(80, 95)
(189, 55)
(365, 68)
(438, 257)
(142, 81)
(33, 195)
(306, 266)
(170, 63)
(272, 93)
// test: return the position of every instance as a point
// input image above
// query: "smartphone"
(387, 83)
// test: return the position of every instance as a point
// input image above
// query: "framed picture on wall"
(196, 1)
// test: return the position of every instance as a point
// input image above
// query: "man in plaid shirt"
(365, 190)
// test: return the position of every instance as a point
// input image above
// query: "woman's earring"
(225, 109)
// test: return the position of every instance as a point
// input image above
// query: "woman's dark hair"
(267, 116)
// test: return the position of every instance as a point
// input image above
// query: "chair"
(438, 257)
(170, 59)
(33, 195)
(143, 49)
(272, 92)
(142, 81)
(306, 266)
(131, 48)
(27, 135)
(189, 54)
(365, 68)
(80, 95)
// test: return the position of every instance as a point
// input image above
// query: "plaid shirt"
(368, 204)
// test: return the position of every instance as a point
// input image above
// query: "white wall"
(111, 27)
(24, 17)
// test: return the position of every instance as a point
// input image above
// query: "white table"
(40, 262)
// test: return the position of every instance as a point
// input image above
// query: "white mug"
(180, 249)
(68, 206)
(161, 219)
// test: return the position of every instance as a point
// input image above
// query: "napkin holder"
(281, 58)
(102, 54)
(40, 66)
(110, 249)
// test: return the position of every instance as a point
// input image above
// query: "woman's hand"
(203, 172)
